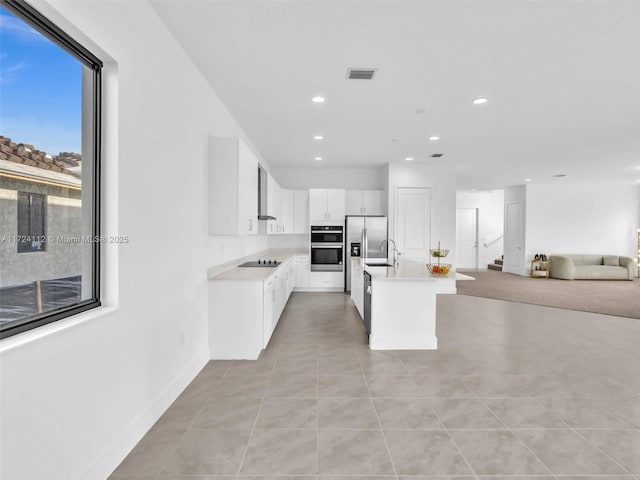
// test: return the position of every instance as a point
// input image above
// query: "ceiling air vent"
(361, 73)
(560, 175)
(437, 155)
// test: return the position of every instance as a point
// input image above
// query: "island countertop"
(409, 269)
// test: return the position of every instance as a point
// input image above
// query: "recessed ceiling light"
(318, 137)
(409, 159)
(318, 158)
(317, 99)
(434, 138)
(527, 179)
(480, 101)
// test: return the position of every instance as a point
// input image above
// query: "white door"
(514, 239)
(467, 238)
(413, 221)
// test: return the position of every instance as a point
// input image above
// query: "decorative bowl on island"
(439, 252)
(442, 269)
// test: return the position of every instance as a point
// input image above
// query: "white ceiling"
(562, 79)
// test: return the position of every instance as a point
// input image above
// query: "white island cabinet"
(403, 305)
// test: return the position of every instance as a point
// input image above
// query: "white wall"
(596, 219)
(490, 205)
(441, 178)
(78, 395)
(347, 178)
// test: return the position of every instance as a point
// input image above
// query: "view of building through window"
(47, 244)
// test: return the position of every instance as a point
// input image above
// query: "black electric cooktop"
(261, 263)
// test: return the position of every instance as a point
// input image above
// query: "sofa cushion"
(586, 259)
(597, 272)
(611, 260)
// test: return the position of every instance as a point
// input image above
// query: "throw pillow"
(611, 260)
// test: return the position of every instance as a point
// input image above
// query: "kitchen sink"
(378, 265)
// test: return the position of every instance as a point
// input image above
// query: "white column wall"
(77, 395)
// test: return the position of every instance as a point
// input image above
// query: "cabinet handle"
(250, 225)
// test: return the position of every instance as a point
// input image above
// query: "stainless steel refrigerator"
(363, 238)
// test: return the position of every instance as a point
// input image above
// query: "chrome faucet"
(395, 251)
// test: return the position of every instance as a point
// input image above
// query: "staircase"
(497, 264)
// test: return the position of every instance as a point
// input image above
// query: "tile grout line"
(255, 422)
(384, 437)
(602, 451)
(188, 429)
(516, 436)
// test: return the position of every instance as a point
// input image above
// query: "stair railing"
(491, 242)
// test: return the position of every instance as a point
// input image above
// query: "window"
(31, 218)
(49, 172)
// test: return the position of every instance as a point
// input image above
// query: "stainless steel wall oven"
(327, 248)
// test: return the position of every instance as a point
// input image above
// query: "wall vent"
(437, 155)
(361, 73)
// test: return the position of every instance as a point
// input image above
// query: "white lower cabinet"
(243, 314)
(268, 309)
(302, 271)
(332, 281)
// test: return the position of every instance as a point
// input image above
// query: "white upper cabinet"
(301, 211)
(365, 202)
(326, 205)
(233, 188)
(287, 207)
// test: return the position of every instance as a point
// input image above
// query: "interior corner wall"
(78, 394)
(441, 178)
(490, 205)
(598, 219)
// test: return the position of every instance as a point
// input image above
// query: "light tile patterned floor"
(513, 391)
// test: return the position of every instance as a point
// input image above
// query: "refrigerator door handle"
(364, 248)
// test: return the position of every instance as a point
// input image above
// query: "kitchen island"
(402, 308)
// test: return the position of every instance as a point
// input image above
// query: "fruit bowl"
(441, 269)
(439, 253)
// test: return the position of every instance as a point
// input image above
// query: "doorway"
(467, 238)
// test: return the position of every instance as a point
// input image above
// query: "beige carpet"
(614, 297)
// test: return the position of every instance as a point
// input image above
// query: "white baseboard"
(236, 356)
(113, 455)
(402, 343)
(319, 289)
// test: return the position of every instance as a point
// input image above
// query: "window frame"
(46, 27)
(43, 233)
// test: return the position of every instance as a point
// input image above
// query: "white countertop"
(252, 273)
(410, 270)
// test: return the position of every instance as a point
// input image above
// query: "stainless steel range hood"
(263, 180)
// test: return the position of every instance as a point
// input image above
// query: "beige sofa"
(592, 267)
